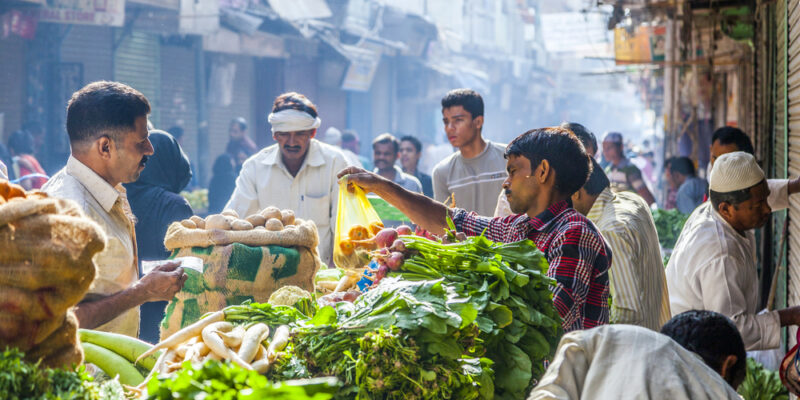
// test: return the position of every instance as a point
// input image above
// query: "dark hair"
(176, 132)
(710, 335)
(21, 142)
(731, 135)
(414, 142)
(387, 138)
(467, 98)
(294, 101)
(241, 121)
(104, 108)
(586, 136)
(598, 181)
(349, 135)
(733, 198)
(561, 149)
(681, 165)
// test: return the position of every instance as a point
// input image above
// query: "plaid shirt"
(579, 257)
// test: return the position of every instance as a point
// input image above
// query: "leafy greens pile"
(20, 379)
(669, 224)
(762, 384)
(508, 288)
(216, 380)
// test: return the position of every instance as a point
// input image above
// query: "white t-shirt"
(475, 181)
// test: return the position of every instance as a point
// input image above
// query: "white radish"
(184, 334)
(262, 366)
(168, 359)
(214, 342)
(233, 338)
(279, 342)
(252, 341)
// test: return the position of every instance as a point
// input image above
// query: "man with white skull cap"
(713, 265)
(297, 173)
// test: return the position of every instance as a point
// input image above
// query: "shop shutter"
(178, 94)
(788, 117)
(242, 103)
(137, 62)
(12, 84)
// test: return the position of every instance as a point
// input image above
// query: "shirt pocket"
(317, 208)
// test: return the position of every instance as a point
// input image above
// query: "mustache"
(292, 147)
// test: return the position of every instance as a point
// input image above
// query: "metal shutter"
(178, 95)
(137, 63)
(12, 84)
(242, 104)
(788, 118)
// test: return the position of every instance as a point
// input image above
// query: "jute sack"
(46, 268)
(235, 273)
(303, 234)
(61, 348)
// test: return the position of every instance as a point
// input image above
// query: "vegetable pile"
(669, 224)
(116, 355)
(762, 384)
(20, 379)
(270, 219)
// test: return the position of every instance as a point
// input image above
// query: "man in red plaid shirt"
(545, 167)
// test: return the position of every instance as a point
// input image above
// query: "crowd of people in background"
(588, 213)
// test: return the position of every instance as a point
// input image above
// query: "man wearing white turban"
(296, 173)
(713, 265)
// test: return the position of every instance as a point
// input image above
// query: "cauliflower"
(288, 296)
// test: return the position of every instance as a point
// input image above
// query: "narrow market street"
(399, 199)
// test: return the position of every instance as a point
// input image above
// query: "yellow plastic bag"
(356, 223)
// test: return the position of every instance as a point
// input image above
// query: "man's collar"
(605, 197)
(314, 157)
(99, 188)
(547, 216)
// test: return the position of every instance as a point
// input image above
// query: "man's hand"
(162, 282)
(368, 181)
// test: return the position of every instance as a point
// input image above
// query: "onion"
(398, 245)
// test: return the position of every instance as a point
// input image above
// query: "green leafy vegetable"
(215, 380)
(762, 384)
(669, 224)
(20, 379)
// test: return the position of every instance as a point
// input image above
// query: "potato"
(201, 223)
(274, 225)
(241, 225)
(189, 224)
(230, 213)
(259, 228)
(271, 212)
(287, 217)
(256, 220)
(218, 221)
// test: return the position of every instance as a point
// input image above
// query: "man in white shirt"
(637, 283)
(727, 140)
(107, 127)
(474, 175)
(713, 265)
(385, 151)
(297, 173)
(698, 355)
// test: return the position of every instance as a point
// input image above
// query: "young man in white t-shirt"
(474, 175)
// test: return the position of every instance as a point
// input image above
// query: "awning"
(298, 10)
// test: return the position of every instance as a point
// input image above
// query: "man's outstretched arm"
(429, 214)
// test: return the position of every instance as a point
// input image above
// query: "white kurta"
(713, 267)
(628, 362)
(312, 194)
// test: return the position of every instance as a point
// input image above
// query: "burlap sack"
(236, 273)
(61, 348)
(46, 268)
(303, 234)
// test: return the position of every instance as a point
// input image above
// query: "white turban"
(735, 171)
(292, 120)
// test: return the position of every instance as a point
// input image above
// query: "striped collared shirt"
(638, 283)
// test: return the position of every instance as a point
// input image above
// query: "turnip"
(404, 230)
(395, 261)
(398, 245)
(381, 272)
(386, 237)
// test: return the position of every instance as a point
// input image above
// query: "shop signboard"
(83, 12)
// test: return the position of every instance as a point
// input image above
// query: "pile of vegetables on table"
(669, 224)
(762, 384)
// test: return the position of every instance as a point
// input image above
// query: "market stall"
(410, 316)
